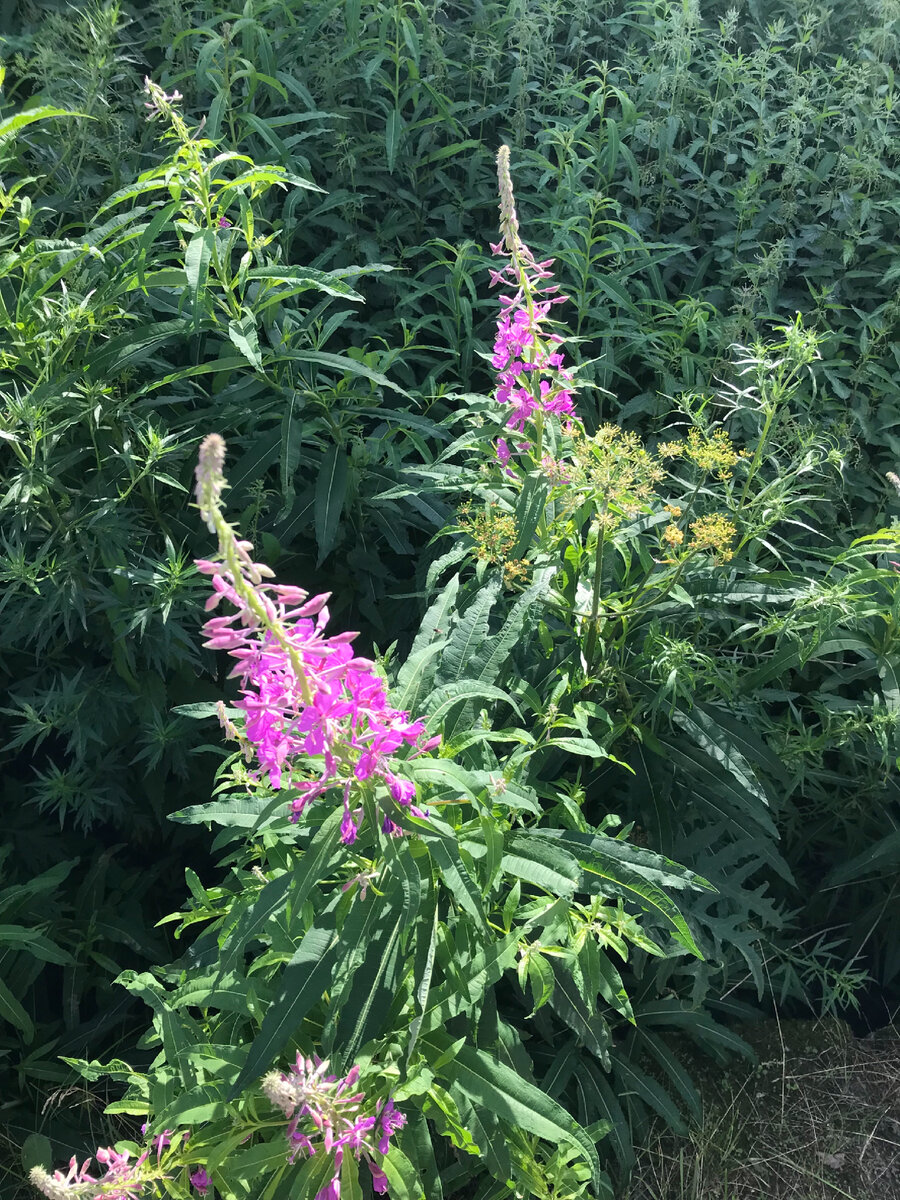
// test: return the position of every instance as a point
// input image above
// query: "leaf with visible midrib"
(392, 135)
(331, 488)
(303, 983)
(497, 1088)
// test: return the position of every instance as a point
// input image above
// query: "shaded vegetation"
(296, 254)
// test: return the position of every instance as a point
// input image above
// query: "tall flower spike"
(210, 477)
(531, 378)
(304, 694)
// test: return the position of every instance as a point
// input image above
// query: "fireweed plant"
(376, 936)
(714, 176)
(303, 694)
(438, 909)
(325, 1116)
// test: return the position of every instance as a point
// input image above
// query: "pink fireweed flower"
(162, 1140)
(531, 378)
(331, 1114)
(304, 693)
(122, 1180)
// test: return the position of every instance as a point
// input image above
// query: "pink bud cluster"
(122, 1180)
(531, 378)
(160, 101)
(327, 1113)
(304, 693)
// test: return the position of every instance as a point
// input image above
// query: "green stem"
(591, 642)
(757, 457)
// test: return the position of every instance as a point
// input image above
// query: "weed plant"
(304, 272)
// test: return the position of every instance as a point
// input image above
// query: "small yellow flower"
(515, 570)
(673, 535)
(714, 532)
(673, 510)
(494, 533)
(715, 453)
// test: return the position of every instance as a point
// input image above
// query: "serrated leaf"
(460, 659)
(700, 725)
(543, 865)
(445, 699)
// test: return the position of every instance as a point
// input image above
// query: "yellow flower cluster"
(714, 532)
(713, 453)
(615, 464)
(515, 570)
(495, 534)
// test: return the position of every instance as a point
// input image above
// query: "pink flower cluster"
(531, 378)
(122, 1179)
(333, 1118)
(303, 693)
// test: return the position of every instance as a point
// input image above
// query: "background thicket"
(701, 175)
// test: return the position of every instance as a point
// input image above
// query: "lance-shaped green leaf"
(579, 1011)
(445, 703)
(331, 489)
(444, 849)
(243, 335)
(539, 862)
(303, 983)
(499, 1090)
(196, 267)
(367, 996)
(607, 872)
(10, 126)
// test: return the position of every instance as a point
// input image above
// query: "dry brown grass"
(818, 1118)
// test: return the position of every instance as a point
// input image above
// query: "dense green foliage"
(306, 273)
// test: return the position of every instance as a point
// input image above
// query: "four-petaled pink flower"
(200, 1180)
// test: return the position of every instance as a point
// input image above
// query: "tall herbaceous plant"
(438, 953)
(394, 915)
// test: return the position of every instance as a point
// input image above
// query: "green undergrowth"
(296, 254)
